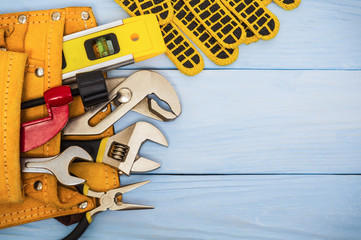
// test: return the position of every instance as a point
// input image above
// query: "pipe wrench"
(131, 93)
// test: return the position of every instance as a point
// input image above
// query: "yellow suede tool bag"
(30, 64)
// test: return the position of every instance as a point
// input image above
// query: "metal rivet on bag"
(39, 72)
(104, 109)
(22, 19)
(85, 15)
(38, 185)
(83, 205)
(55, 16)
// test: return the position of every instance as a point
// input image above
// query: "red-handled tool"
(35, 133)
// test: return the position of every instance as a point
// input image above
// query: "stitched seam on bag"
(31, 15)
(23, 211)
(29, 68)
(8, 24)
(45, 21)
(91, 19)
(106, 178)
(49, 44)
(38, 214)
(69, 196)
(5, 124)
(47, 149)
(73, 20)
(45, 187)
(115, 181)
(72, 12)
(7, 17)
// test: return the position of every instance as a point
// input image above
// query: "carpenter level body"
(111, 45)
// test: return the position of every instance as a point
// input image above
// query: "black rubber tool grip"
(91, 88)
(91, 146)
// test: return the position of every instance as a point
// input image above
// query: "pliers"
(110, 200)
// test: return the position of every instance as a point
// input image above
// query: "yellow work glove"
(285, 4)
(217, 27)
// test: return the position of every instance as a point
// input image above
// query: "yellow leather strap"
(40, 36)
(12, 67)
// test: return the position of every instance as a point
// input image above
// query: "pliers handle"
(107, 200)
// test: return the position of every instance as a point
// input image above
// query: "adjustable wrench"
(121, 150)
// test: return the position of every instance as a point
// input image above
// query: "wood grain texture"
(225, 207)
(291, 105)
(261, 122)
(318, 34)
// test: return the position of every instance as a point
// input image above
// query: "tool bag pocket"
(12, 68)
(30, 64)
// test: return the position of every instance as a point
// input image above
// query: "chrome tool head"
(133, 93)
(110, 199)
(58, 165)
(142, 164)
(121, 150)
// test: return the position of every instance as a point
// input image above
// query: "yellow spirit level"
(111, 45)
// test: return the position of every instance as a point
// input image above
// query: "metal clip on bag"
(29, 66)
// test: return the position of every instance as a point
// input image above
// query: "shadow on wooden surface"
(261, 122)
(225, 207)
(248, 122)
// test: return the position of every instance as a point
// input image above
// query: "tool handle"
(41, 101)
(91, 88)
(91, 146)
(78, 230)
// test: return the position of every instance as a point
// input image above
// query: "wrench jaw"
(130, 94)
(59, 165)
(142, 164)
(129, 142)
(158, 86)
(165, 92)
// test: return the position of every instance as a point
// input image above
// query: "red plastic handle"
(35, 133)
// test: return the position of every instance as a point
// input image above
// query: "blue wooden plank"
(249, 122)
(225, 207)
(261, 122)
(317, 35)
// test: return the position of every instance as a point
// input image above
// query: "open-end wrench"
(57, 165)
